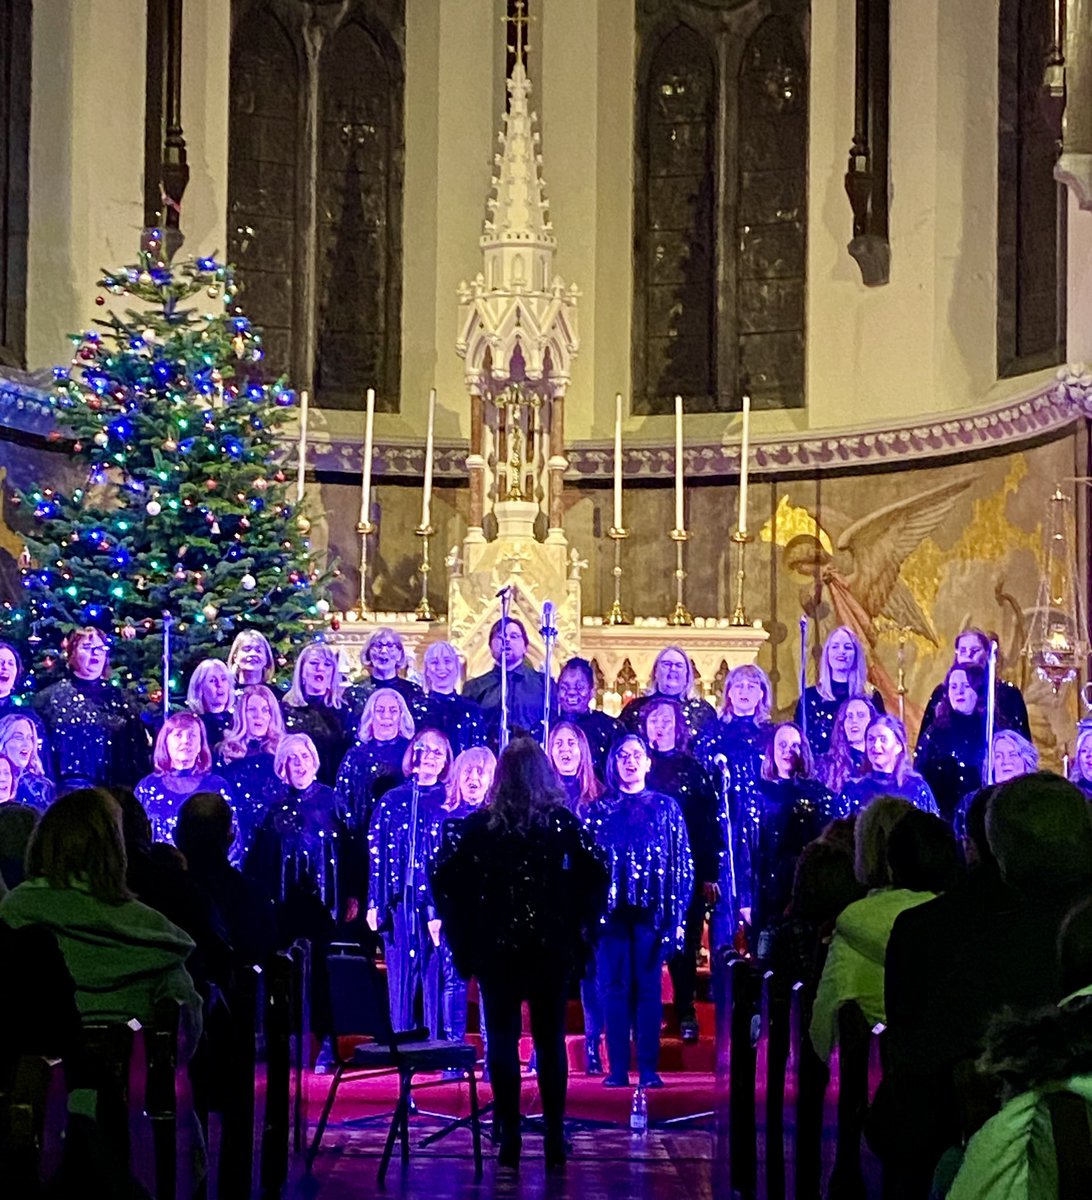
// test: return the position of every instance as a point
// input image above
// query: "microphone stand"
(505, 596)
(409, 886)
(804, 676)
(549, 637)
(991, 711)
(726, 808)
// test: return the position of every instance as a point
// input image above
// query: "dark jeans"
(504, 1006)
(684, 965)
(592, 1002)
(445, 995)
(407, 968)
(629, 966)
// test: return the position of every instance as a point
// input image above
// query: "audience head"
(181, 745)
(296, 761)
(470, 778)
(886, 747)
(19, 744)
(87, 653)
(1080, 767)
(11, 667)
(1075, 948)
(429, 755)
(747, 693)
(824, 882)
(976, 847)
(384, 654)
(628, 764)
(210, 689)
(257, 718)
(922, 853)
(251, 658)
(787, 755)
(965, 691)
(873, 830)
(571, 756)
(843, 661)
(1013, 756)
(525, 789)
(17, 822)
(136, 828)
(316, 676)
(205, 830)
(663, 724)
(1039, 831)
(576, 687)
(78, 842)
(508, 640)
(442, 668)
(385, 716)
(673, 673)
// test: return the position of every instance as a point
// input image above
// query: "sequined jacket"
(819, 714)
(697, 713)
(460, 720)
(791, 813)
(254, 789)
(859, 792)
(96, 733)
(368, 770)
(643, 835)
(517, 905)
(35, 791)
(389, 837)
(1012, 711)
(683, 778)
(325, 727)
(163, 793)
(356, 696)
(950, 758)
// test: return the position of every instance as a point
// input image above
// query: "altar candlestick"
(744, 457)
(301, 465)
(426, 500)
(618, 460)
(366, 481)
(680, 517)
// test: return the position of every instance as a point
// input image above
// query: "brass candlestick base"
(681, 615)
(739, 613)
(617, 615)
(423, 611)
(365, 528)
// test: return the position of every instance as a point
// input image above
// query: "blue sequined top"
(367, 771)
(820, 714)
(460, 720)
(389, 837)
(858, 792)
(254, 789)
(162, 795)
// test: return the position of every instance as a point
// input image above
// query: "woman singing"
(183, 765)
(19, 745)
(571, 757)
(847, 758)
(313, 706)
(373, 764)
(209, 696)
(247, 760)
(889, 771)
(843, 673)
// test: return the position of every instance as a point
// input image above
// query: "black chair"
(358, 1007)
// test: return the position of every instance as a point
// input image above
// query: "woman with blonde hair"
(843, 675)
(247, 760)
(251, 659)
(460, 720)
(19, 745)
(1080, 766)
(210, 695)
(373, 764)
(313, 705)
(183, 765)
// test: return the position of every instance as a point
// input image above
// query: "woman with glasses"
(672, 677)
(643, 836)
(383, 656)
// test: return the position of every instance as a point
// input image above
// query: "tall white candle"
(426, 499)
(618, 460)
(366, 481)
(680, 517)
(301, 465)
(744, 459)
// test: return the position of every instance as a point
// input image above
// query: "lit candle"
(680, 519)
(618, 460)
(301, 465)
(744, 457)
(366, 482)
(426, 500)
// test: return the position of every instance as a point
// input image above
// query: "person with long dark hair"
(677, 774)
(843, 674)
(846, 757)
(972, 648)
(518, 891)
(643, 834)
(571, 757)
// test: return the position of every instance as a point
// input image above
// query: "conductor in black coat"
(518, 891)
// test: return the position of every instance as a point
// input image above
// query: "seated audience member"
(921, 861)
(1034, 1057)
(17, 823)
(122, 955)
(205, 833)
(988, 944)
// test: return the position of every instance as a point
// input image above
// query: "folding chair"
(358, 1008)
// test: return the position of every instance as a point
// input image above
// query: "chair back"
(358, 1000)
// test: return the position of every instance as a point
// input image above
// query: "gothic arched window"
(1031, 204)
(15, 32)
(315, 190)
(721, 204)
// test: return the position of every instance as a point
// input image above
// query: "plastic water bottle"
(638, 1112)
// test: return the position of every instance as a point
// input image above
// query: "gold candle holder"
(617, 614)
(739, 613)
(365, 529)
(681, 614)
(423, 611)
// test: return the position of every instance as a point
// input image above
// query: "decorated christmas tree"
(184, 515)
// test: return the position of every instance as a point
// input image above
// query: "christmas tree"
(185, 515)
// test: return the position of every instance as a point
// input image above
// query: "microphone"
(416, 764)
(504, 591)
(720, 761)
(548, 629)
